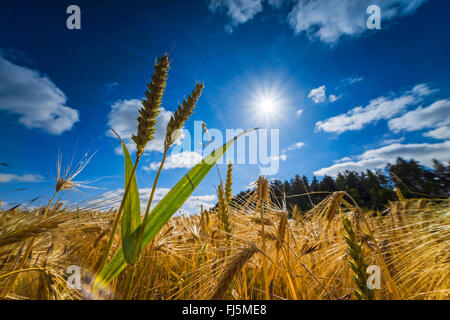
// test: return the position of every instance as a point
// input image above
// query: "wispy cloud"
(325, 20)
(240, 11)
(378, 158)
(9, 177)
(330, 20)
(345, 159)
(334, 98)
(296, 146)
(352, 80)
(435, 115)
(39, 103)
(391, 141)
(186, 159)
(283, 155)
(377, 109)
(112, 199)
(441, 133)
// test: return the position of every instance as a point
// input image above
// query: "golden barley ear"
(151, 104)
(282, 230)
(233, 267)
(223, 211)
(181, 115)
(263, 189)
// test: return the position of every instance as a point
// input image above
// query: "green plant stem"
(118, 216)
(129, 285)
(150, 200)
(147, 211)
(221, 182)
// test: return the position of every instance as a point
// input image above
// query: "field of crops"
(321, 254)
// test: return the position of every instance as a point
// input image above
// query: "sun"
(267, 104)
(267, 98)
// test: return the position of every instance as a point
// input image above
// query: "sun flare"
(267, 105)
(268, 102)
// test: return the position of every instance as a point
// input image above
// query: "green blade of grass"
(131, 219)
(173, 200)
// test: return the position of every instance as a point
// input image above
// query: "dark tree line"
(370, 189)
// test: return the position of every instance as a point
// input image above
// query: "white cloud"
(326, 20)
(195, 202)
(318, 95)
(358, 166)
(39, 103)
(329, 20)
(352, 80)
(391, 141)
(283, 155)
(334, 98)
(377, 109)
(378, 158)
(299, 112)
(345, 159)
(240, 11)
(439, 133)
(186, 159)
(423, 90)
(113, 198)
(9, 177)
(122, 118)
(273, 159)
(435, 115)
(192, 205)
(296, 146)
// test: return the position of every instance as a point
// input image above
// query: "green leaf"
(173, 200)
(131, 219)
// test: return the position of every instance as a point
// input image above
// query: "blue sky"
(345, 97)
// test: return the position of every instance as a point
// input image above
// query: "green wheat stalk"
(357, 262)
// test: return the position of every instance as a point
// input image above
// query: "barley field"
(265, 256)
